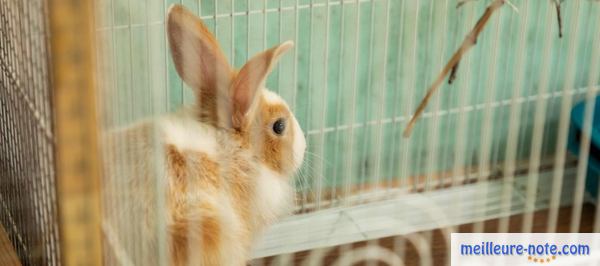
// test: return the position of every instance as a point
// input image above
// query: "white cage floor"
(407, 213)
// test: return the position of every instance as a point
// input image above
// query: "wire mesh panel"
(28, 209)
(492, 144)
(361, 52)
(131, 88)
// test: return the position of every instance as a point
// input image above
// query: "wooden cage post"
(78, 184)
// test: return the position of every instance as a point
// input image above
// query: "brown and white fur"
(227, 170)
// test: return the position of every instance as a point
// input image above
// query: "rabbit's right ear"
(196, 54)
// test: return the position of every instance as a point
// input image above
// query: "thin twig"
(469, 42)
(462, 2)
(558, 16)
(453, 73)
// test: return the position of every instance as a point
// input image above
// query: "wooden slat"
(78, 188)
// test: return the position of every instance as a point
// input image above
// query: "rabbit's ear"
(250, 79)
(196, 54)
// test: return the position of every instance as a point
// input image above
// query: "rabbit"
(228, 159)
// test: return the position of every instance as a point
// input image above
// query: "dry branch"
(469, 42)
(559, 18)
(453, 73)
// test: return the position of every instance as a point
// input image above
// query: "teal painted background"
(358, 70)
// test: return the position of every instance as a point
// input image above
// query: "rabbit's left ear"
(196, 53)
(250, 79)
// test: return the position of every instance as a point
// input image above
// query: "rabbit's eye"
(279, 126)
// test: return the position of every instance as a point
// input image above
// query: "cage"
(81, 81)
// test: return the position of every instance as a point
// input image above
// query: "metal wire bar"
(319, 169)
(367, 131)
(350, 138)
(410, 82)
(586, 135)
(515, 110)
(339, 99)
(538, 129)
(394, 156)
(563, 124)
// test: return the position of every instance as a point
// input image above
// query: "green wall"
(367, 63)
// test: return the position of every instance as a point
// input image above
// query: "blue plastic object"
(575, 129)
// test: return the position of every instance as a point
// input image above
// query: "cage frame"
(78, 166)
